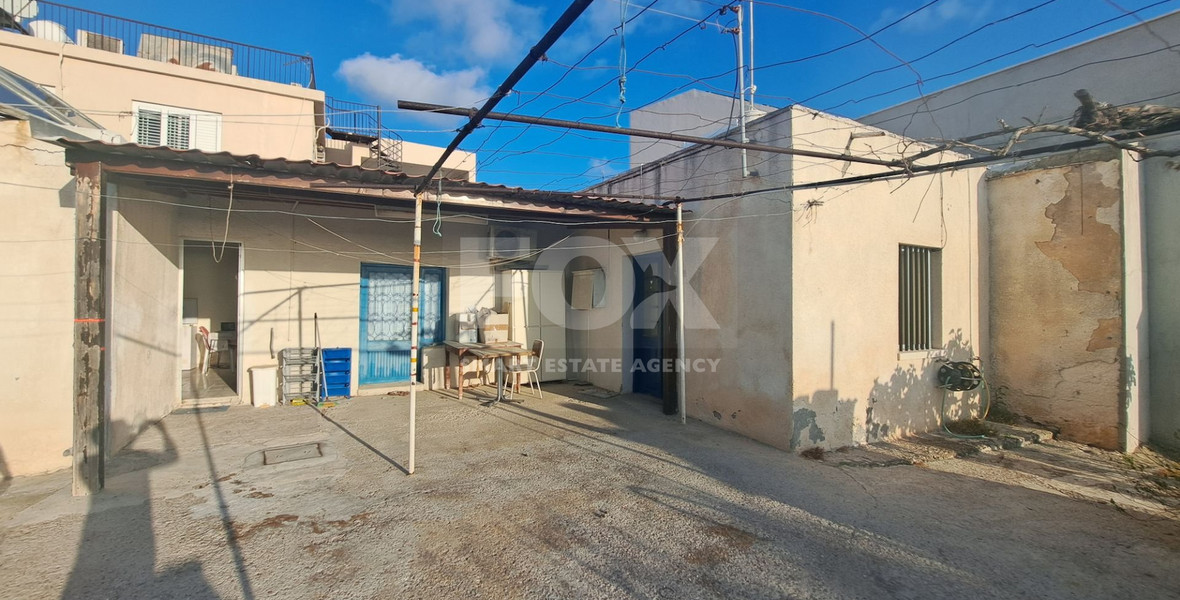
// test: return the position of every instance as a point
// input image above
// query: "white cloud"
(481, 32)
(387, 80)
(602, 168)
(937, 16)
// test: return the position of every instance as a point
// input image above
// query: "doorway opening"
(209, 321)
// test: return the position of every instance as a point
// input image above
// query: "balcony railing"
(61, 23)
(361, 123)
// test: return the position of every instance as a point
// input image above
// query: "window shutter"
(147, 127)
(179, 127)
(207, 132)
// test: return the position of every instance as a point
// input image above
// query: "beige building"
(162, 87)
(157, 87)
(800, 290)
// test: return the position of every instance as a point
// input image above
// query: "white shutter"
(180, 128)
(207, 132)
(147, 127)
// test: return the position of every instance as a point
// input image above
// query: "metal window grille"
(179, 127)
(916, 297)
(147, 127)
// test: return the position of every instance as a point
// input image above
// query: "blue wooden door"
(385, 319)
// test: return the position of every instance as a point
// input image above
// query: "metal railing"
(61, 23)
(361, 123)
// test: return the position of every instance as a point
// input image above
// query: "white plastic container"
(264, 385)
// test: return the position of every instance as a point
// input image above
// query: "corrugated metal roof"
(345, 175)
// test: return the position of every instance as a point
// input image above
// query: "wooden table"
(497, 351)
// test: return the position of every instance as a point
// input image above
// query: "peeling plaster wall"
(37, 276)
(1056, 287)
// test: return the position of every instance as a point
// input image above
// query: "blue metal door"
(385, 319)
(647, 325)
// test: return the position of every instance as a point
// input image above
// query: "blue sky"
(458, 51)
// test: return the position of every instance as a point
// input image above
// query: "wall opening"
(209, 320)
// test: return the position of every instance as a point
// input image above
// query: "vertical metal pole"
(742, 86)
(680, 312)
(929, 302)
(417, 273)
(753, 88)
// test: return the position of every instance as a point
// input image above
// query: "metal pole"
(643, 133)
(753, 88)
(563, 23)
(417, 273)
(741, 73)
(680, 312)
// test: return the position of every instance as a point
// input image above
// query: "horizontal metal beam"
(643, 133)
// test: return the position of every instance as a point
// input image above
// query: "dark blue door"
(385, 319)
(647, 325)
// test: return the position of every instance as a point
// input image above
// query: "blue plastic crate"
(336, 354)
(341, 378)
(334, 390)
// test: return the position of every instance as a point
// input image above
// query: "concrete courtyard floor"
(569, 496)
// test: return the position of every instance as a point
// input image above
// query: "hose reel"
(959, 376)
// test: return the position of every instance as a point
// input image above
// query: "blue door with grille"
(385, 319)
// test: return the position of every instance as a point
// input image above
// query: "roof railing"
(61, 23)
(361, 123)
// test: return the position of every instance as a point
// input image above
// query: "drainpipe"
(417, 272)
(680, 311)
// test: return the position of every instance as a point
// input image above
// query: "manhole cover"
(291, 453)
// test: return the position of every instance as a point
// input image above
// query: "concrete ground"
(568, 497)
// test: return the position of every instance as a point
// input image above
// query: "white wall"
(37, 306)
(1161, 189)
(851, 384)
(295, 269)
(144, 309)
(803, 285)
(1130, 66)
(695, 113)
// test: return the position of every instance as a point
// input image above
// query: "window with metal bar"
(918, 295)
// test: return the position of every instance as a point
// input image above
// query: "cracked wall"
(1056, 314)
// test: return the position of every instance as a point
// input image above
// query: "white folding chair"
(530, 368)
